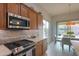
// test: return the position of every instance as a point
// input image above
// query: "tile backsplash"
(12, 35)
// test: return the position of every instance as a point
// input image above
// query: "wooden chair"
(67, 42)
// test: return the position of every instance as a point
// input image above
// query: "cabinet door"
(33, 19)
(44, 46)
(40, 20)
(13, 8)
(24, 10)
(39, 48)
(2, 16)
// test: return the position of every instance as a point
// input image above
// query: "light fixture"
(69, 23)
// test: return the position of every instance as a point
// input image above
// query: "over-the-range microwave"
(17, 22)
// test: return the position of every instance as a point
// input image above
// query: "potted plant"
(70, 34)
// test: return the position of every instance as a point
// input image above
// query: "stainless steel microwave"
(17, 22)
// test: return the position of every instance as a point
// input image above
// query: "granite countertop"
(4, 51)
(35, 39)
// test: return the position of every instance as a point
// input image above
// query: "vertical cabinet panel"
(13, 8)
(33, 19)
(24, 10)
(39, 48)
(40, 20)
(44, 46)
(2, 16)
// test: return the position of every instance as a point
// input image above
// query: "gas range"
(20, 47)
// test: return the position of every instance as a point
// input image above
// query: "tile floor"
(55, 49)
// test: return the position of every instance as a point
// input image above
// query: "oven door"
(27, 52)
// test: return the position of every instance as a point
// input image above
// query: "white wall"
(45, 17)
(63, 17)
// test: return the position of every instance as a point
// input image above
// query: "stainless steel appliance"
(22, 48)
(17, 21)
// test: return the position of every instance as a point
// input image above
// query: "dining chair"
(66, 41)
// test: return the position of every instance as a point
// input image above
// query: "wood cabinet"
(39, 48)
(44, 46)
(20, 9)
(2, 16)
(33, 19)
(24, 10)
(39, 20)
(13, 8)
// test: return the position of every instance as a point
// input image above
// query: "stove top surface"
(19, 43)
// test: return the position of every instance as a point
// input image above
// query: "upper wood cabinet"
(40, 20)
(20, 9)
(2, 16)
(13, 8)
(24, 10)
(33, 19)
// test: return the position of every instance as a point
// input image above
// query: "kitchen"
(27, 30)
(21, 31)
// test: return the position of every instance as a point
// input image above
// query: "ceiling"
(54, 9)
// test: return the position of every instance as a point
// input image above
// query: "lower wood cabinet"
(39, 48)
(44, 46)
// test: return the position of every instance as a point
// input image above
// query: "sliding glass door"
(61, 29)
(68, 28)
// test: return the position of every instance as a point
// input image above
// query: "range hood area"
(19, 16)
(17, 22)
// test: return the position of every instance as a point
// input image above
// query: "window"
(68, 28)
(45, 28)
